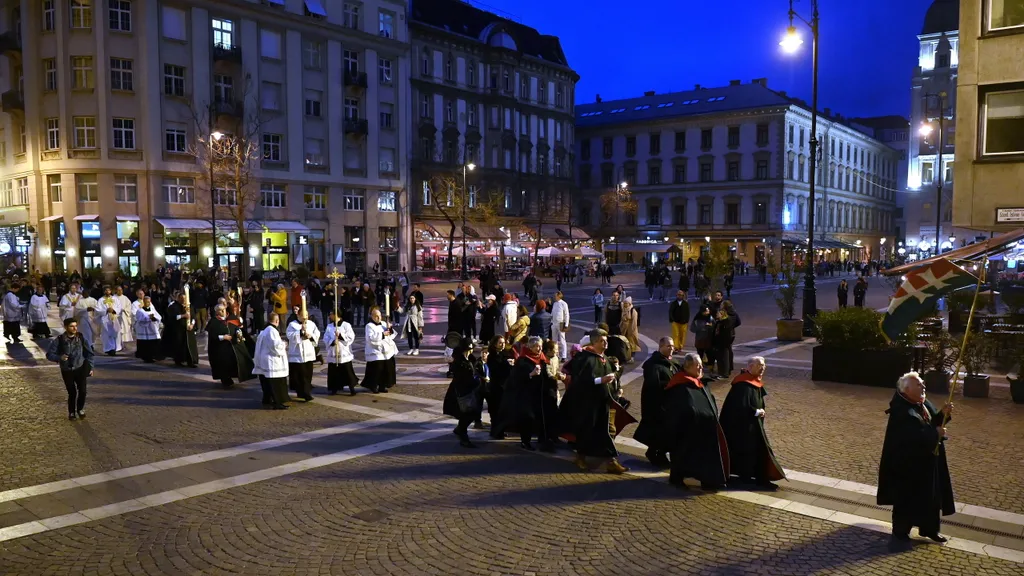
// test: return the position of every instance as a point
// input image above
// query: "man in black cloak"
(179, 332)
(658, 371)
(229, 357)
(698, 447)
(913, 476)
(750, 454)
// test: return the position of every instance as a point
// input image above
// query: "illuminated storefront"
(275, 250)
(13, 253)
(89, 232)
(128, 245)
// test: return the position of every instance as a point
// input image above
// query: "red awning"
(970, 252)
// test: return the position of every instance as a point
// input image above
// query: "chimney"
(828, 112)
(782, 93)
(734, 82)
(696, 86)
(649, 93)
(598, 99)
(761, 81)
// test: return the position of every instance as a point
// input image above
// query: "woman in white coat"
(303, 337)
(412, 327)
(338, 340)
(271, 364)
(380, 340)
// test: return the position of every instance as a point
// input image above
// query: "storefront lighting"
(159, 251)
(707, 239)
(71, 252)
(902, 251)
(207, 251)
(44, 252)
(882, 241)
(109, 252)
(254, 251)
(666, 238)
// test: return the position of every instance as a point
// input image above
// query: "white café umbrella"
(549, 252)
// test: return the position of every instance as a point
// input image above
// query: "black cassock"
(584, 411)
(228, 359)
(750, 453)
(182, 340)
(499, 370)
(521, 400)
(658, 371)
(911, 477)
(698, 447)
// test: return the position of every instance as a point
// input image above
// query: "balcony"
(231, 108)
(355, 78)
(222, 53)
(356, 127)
(10, 44)
(12, 100)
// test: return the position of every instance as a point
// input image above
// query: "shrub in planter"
(977, 355)
(939, 360)
(959, 306)
(852, 349)
(787, 328)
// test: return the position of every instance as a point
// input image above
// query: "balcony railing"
(355, 78)
(356, 126)
(222, 53)
(10, 43)
(12, 100)
(231, 108)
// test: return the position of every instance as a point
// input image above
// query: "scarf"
(524, 352)
(749, 378)
(919, 407)
(683, 378)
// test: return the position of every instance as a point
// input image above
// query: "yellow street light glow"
(926, 129)
(471, 166)
(216, 135)
(792, 41)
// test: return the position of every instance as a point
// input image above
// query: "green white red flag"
(920, 291)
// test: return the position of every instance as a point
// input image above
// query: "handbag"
(469, 403)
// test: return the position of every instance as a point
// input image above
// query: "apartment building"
(988, 194)
(729, 164)
(489, 91)
(112, 109)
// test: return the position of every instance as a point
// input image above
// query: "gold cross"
(335, 275)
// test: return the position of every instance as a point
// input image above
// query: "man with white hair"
(913, 476)
(697, 443)
(742, 419)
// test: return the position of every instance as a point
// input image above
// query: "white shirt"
(301, 349)
(271, 358)
(375, 348)
(341, 352)
(559, 315)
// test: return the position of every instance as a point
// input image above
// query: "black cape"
(466, 379)
(179, 337)
(584, 408)
(910, 474)
(698, 447)
(658, 371)
(750, 453)
(499, 370)
(227, 359)
(521, 398)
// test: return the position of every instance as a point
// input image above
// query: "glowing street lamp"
(792, 41)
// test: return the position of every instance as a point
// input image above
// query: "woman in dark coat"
(722, 340)
(467, 384)
(499, 367)
(521, 401)
(488, 319)
(703, 329)
(742, 418)
(843, 292)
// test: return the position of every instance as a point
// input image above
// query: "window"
(706, 172)
(49, 75)
(762, 134)
(88, 190)
(927, 172)
(384, 71)
(174, 80)
(53, 183)
(351, 15)
(630, 146)
(81, 14)
(52, 133)
(654, 175)
(174, 139)
(733, 171)
(679, 174)
(121, 76)
(706, 139)
(315, 198)
(762, 169)
(791, 133)
(387, 112)
(120, 12)
(124, 133)
(734, 136)
(760, 213)
(606, 147)
(270, 44)
(270, 96)
(223, 33)
(352, 108)
(223, 88)
(272, 147)
(471, 73)
(312, 54)
(49, 16)
(81, 72)
(732, 214)
(629, 175)
(705, 214)
(542, 88)
(425, 62)
(22, 139)
(655, 144)
(386, 201)
(174, 23)
(85, 131)
(126, 188)
(653, 214)
(1005, 14)
(681, 141)
(273, 195)
(313, 103)
(559, 96)
(386, 24)
(506, 77)
(679, 215)
(314, 152)
(225, 197)
(1004, 123)
(471, 114)
(449, 69)
(471, 195)
(449, 112)
(350, 58)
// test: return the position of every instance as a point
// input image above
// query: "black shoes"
(936, 538)
(657, 459)
(527, 446)
(465, 443)
(478, 425)
(72, 416)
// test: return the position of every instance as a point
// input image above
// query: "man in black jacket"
(658, 370)
(679, 318)
(75, 357)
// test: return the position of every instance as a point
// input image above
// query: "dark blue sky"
(621, 49)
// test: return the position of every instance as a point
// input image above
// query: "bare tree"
(615, 203)
(228, 162)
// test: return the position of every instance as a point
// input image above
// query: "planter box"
(1017, 389)
(880, 368)
(957, 322)
(789, 330)
(937, 382)
(976, 386)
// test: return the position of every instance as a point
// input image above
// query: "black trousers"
(74, 382)
(300, 375)
(462, 429)
(906, 517)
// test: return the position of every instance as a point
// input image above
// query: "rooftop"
(942, 16)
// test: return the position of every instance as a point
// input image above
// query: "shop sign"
(23, 241)
(302, 239)
(91, 252)
(129, 251)
(60, 252)
(275, 249)
(180, 250)
(1009, 215)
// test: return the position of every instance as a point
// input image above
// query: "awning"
(52, 218)
(128, 217)
(189, 225)
(634, 247)
(479, 231)
(314, 7)
(87, 217)
(277, 226)
(196, 225)
(974, 251)
(820, 243)
(559, 231)
(438, 228)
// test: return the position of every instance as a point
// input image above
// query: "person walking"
(412, 327)
(560, 324)
(629, 328)
(843, 293)
(703, 328)
(462, 401)
(271, 365)
(303, 337)
(598, 301)
(724, 335)
(338, 340)
(679, 318)
(860, 291)
(74, 355)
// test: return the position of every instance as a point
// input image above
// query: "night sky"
(621, 49)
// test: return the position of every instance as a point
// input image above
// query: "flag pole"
(963, 348)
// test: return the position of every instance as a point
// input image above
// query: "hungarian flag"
(919, 292)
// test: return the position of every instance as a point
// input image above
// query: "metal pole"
(213, 205)
(465, 276)
(810, 307)
(941, 176)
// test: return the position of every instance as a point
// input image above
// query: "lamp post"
(926, 130)
(620, 191)
(215, 136)
(790, 43)
(465, 186)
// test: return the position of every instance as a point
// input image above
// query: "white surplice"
(67, 305)
(127, 318)
(109, 311)
(88, 323)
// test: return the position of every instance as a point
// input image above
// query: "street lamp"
(790, 44)
(470, 167)
(952, 239)
(620, 192)
(612, 238)
(215, 136)
(925, 131)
